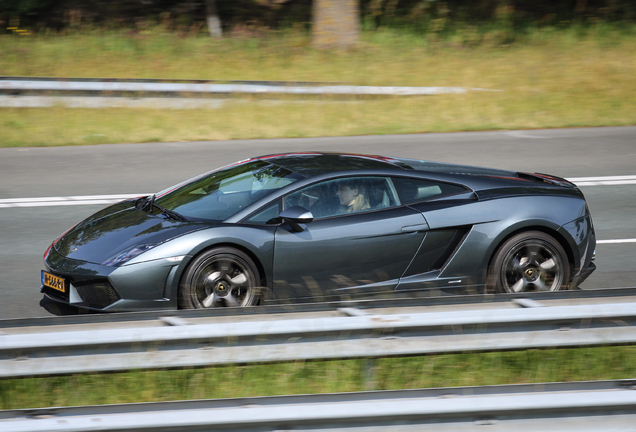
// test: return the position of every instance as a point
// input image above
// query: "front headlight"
(128, 254)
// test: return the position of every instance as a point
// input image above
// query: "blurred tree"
(213, 20)
(335, 23)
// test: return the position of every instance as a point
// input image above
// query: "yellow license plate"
(52, 281)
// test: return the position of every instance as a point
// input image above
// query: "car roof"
(310, 164)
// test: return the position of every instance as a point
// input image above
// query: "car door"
(348, 249)
(447, 209)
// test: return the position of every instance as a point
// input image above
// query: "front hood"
(117, 228)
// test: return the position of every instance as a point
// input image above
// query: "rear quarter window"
(412, 190)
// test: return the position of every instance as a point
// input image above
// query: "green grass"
(549, 78)
(531, 366)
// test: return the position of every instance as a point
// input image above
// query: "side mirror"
(295, 216)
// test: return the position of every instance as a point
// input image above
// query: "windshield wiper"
(149, 203)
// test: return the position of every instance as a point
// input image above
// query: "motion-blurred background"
(552, 63)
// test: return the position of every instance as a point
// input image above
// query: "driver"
(352, 197)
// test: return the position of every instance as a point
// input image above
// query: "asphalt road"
(25, 232)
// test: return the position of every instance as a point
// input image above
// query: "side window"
(262, 216)
(412, 190)
(346, 195)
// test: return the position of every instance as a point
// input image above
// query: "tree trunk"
(214, 22)
(336, 23)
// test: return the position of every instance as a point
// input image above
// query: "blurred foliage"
(63, 15)
(245, 15)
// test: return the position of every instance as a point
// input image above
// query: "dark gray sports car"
(325, 226)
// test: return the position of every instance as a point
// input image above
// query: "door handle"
(415, 228)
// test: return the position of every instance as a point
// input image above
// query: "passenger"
(352, 197)
(378, 198)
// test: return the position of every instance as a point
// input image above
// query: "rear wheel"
(530, 261)
(220, 277)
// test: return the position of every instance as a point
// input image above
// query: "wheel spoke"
(548, 264)
(213, 276)
(209, 300)
(540, 285)
(519, 286)
(231, 300)
(239, 279)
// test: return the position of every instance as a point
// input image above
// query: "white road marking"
(616, 241)
(604, 181)
(65, 201)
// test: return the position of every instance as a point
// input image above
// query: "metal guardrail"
(578, 406)
(165, 80)
(233, 340)
(396, 300)
(42, 84)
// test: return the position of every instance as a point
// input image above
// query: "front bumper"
(141, 286)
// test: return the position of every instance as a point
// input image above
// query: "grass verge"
(549, 78)
(530, 366)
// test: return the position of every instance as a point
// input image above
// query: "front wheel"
(220, 277)
(530, 261)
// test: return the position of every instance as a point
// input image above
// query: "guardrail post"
(369, 367)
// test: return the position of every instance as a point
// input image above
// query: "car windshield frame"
(218, 195)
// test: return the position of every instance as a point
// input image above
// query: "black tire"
(529, 261)
(220, 277)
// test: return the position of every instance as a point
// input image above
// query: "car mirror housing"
(296, 216)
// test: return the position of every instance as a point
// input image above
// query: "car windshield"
(220, 194)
